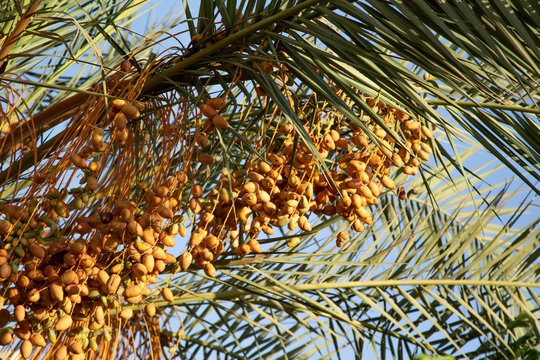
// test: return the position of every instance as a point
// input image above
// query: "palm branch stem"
(228, 295)
(156, 80)
(471, 104)
(14, 35)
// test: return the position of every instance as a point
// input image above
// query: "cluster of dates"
(63, 281)
(284, 190)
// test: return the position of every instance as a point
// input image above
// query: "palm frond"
(449, 265)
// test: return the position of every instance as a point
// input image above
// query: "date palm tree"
(259, 124)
